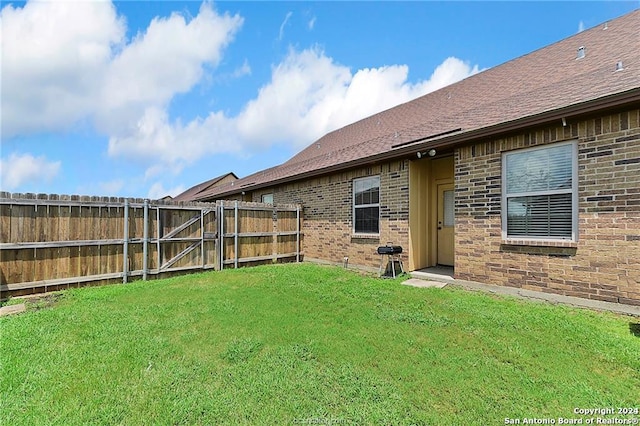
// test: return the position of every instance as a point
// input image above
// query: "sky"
(148, 98)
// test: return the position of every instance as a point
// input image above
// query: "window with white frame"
(366, 205)
(540, 193)
(267, 198)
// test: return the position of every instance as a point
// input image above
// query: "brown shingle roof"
(546, 80)
(194, 192)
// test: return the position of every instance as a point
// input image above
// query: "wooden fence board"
(153, 257)
(103, 214)
(86, 224)
(39, 267)
(64, 219)
(23, 262)
(41, 223)
(15, 224)
(63, 262)
(5, 222)
(71, 239)
(54, 223)
(75, 262)
(75, 225)
(29, 229)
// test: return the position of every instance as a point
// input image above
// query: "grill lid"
(389, 249)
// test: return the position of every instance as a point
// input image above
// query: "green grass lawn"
(305, 344)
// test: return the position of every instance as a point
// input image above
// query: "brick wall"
(605, 262)
(327, 214)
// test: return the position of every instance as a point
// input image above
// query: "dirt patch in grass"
(37, 302)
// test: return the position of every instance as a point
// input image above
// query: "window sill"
(539, 243)
(365, 236)
(559, 248)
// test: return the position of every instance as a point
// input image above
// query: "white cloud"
(308, 96)
(295, 105)
(54, 57)
(284, 23)
(580, 26)
(312, 23)
(157, 191)
(78, 66)
(64, 62)
(22, 169)
(166, 60)
(448, 72)
(172, 144)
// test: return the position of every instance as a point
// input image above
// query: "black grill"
(392, 253)
(389, 249)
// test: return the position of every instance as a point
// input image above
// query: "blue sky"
(146, 99)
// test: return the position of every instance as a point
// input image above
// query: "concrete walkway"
(418, 282)
(522, 293)
(12, 309)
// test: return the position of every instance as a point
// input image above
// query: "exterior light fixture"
(430, 153)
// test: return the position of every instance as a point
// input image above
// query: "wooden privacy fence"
(255, 232)
(48, 242)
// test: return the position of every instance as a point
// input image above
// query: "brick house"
(193, 192)
(524, 175)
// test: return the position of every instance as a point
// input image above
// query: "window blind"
(539, 191)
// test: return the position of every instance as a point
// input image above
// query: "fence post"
(145, 241)
(202, 236)
(125, 249)
(235, 236)
(297, 234)
(158, 239)
(274, 230)
(221, 244)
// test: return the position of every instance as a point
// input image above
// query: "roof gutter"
(601, 104)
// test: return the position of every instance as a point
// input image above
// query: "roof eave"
(599, 105)
(609, 102)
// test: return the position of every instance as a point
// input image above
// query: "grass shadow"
(634, 328)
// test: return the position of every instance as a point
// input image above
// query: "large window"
(540, 193)
(366, 205)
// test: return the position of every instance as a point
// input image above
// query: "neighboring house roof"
(533, 89)
(194, 192)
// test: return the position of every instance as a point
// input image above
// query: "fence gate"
(185, 239)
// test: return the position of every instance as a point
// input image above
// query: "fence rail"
(51, 241)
